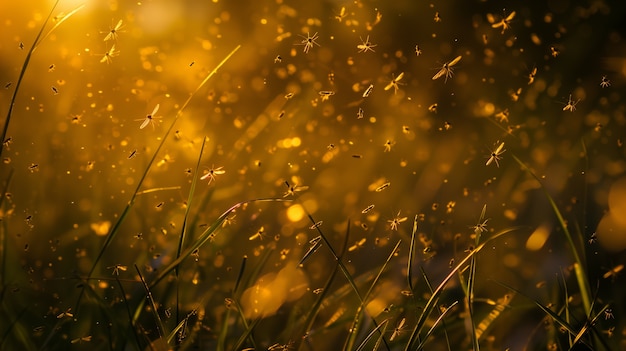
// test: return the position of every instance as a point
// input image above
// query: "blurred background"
(291, 109)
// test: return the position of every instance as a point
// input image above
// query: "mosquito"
(605, 83)
(446, 70)
(394, 82)
(367, 209)
(503, 116)
(308, 42)
(112, 34)
(360, 114)
(259, 234)
(613, 272)
(211, 173)
(342, 14)
(368, 91)
(531, 76)
(387, 145)
(480, 227)
(293, 189)
(81, 339)
(383, 187)
(418, 51)
(149, 118)
(366, 45)
(496, 155)
(316, 225)
(117, 268)
(398, 329)
(505, 23)
(393, 223)
(326, 94)
(571, 104)
(108, 56)
(357, 245)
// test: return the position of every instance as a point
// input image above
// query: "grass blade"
(430, 304)
(435, 324)
(581, 278)
(568, 327)
(183, 231)
(57, 24)
(409, 271)
(205, 236)
(155, 311)
(430, 288)
(313, 312)
(382, 324)
(21, 77)
(357, 317)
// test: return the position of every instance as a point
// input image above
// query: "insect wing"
(510, 16)
(455, 61)
(441, 72)
(145, 123)
(156, 108)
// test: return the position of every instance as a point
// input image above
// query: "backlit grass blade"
(369, 336)
(245, 335)
(343, 268)
(38, 40)
(57, 24)
(315, 308)
(470, 301)
(240, 275)
(155, 310)
(581, 277)
(21, 77)
(435, 324)
(409, 268)
(183, 231)
(205, 236)
(234, 301)
(430, 304)
(358, 315)
(568, 327)
(443, 322)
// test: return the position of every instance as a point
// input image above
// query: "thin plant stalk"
(435, 324)
(430, 304)
(581, 277)
(357, 317)
(183, 230)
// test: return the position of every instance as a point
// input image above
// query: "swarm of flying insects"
(174, 254)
